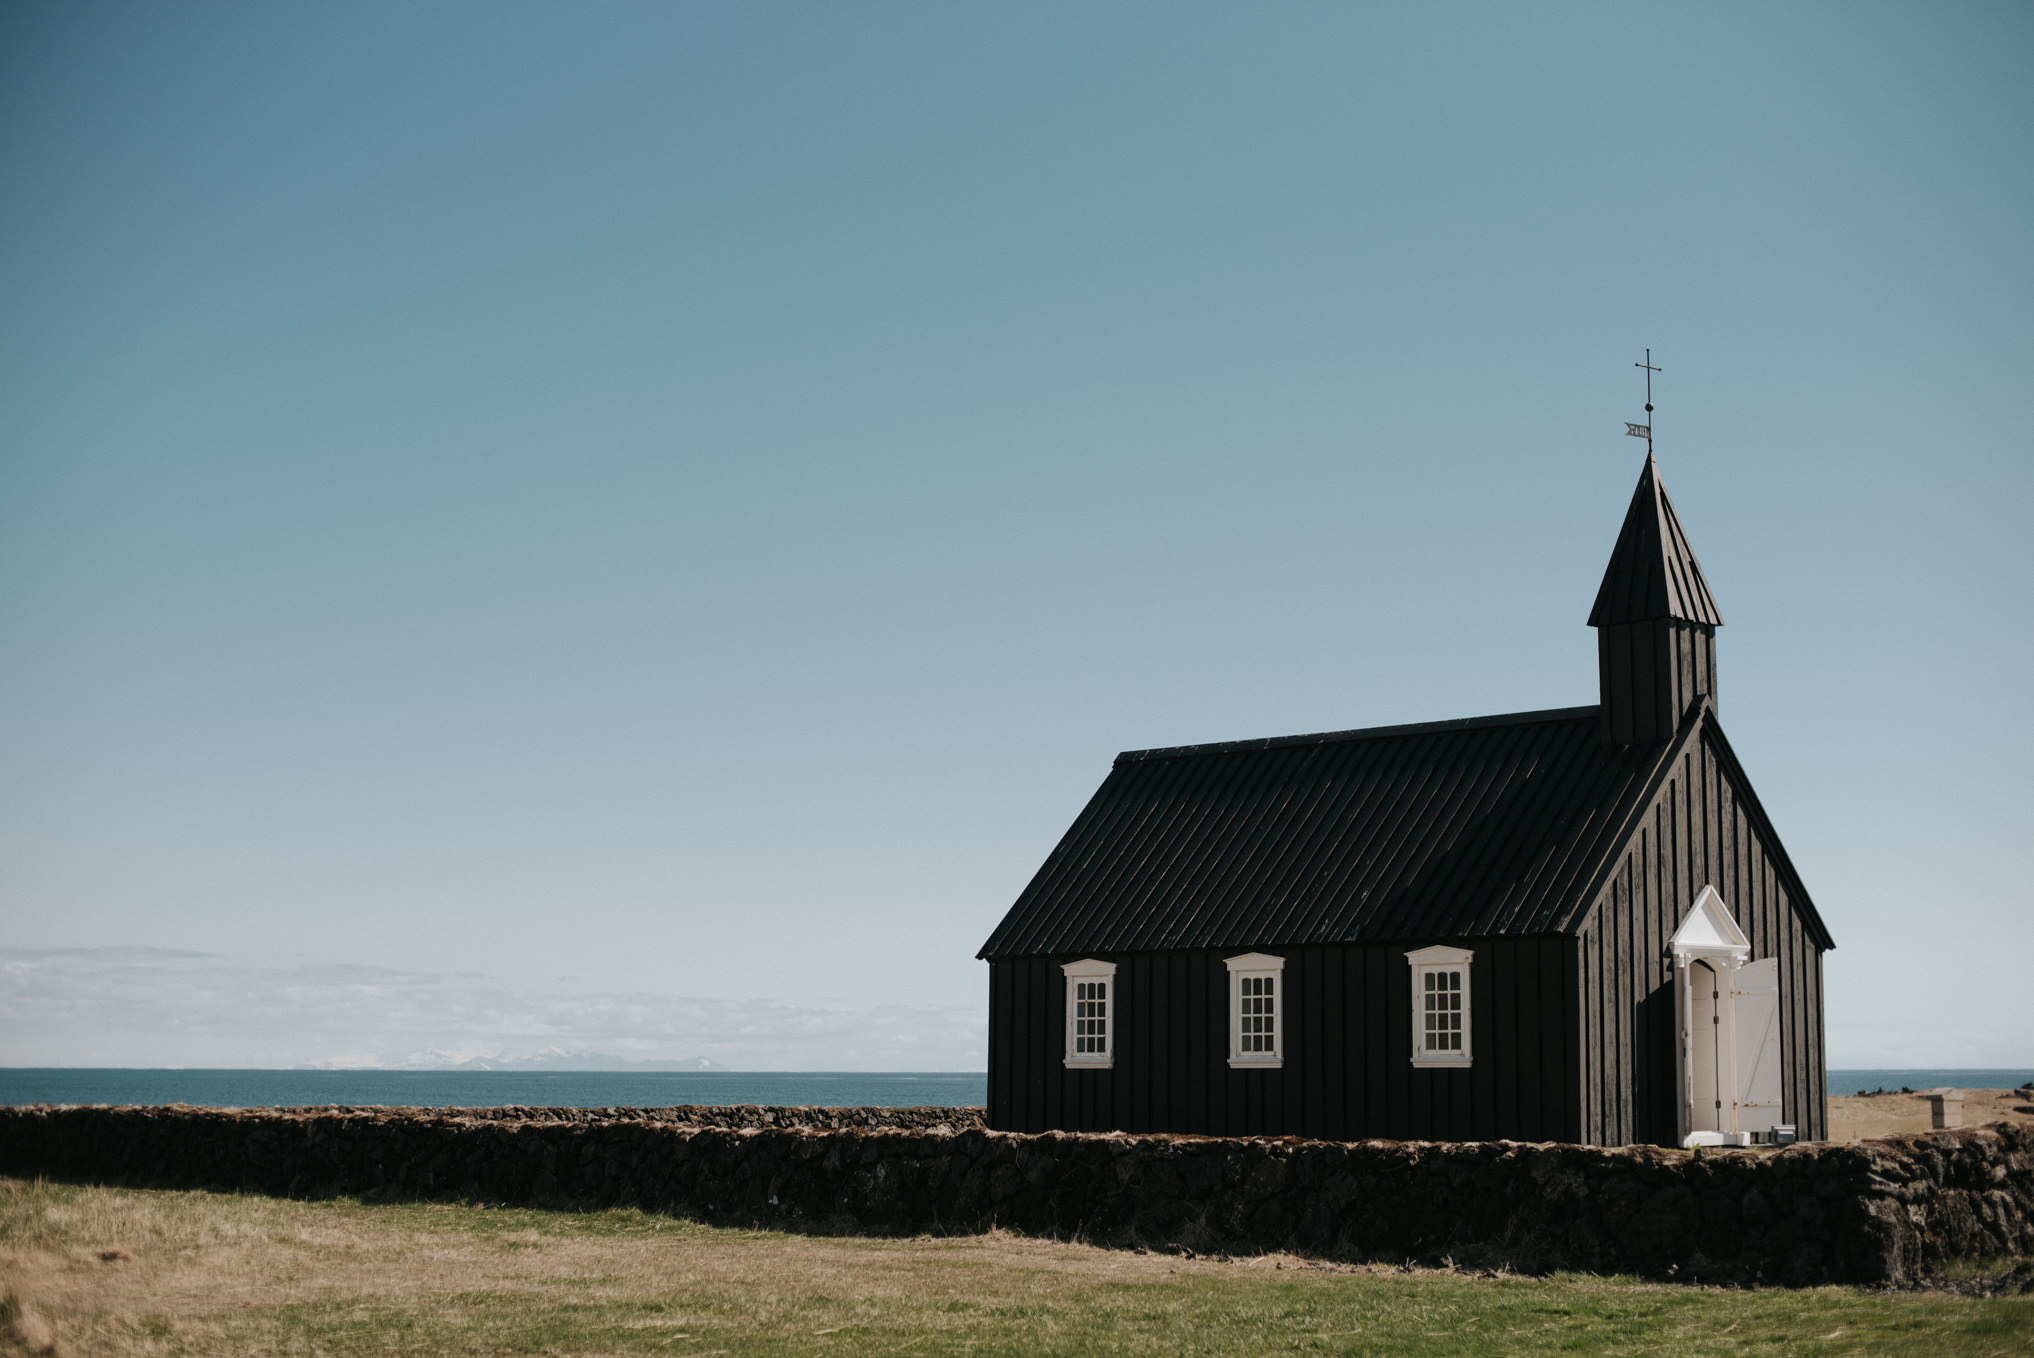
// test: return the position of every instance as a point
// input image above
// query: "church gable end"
(1703, 827)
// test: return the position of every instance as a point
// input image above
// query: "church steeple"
(1655, 621)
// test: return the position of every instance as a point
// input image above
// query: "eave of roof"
(1702, 723)
(1634, 810)
(1797, 889)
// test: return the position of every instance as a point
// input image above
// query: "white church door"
(1709, 950)
(1755, 993)
(1705, 1048)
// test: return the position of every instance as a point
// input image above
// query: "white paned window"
(1260, 1009)
(1090, 1014)
(1091, 1018)
(1256, 1011)
(1441, 1011)
(1440, 1006)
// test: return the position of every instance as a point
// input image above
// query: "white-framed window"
(1440, 1006)
(1090, 1014)
(1256, 1011)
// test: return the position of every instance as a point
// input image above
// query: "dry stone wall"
(1880, 1211)
(736, 1115)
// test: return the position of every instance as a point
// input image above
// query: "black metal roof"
(1653, 572)
(1452, 829)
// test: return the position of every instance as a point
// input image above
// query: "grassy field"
(114, 1271)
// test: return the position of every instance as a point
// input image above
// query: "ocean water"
(1859, 1081)
(634, 1089)
(487, 1089)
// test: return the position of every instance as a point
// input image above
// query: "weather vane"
(1645, 431)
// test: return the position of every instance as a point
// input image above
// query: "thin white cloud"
(134, 1006)
(120, 953)
(88, 1008)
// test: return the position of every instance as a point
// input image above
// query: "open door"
(1755, 994)
(1709, 949)
(1707, 996)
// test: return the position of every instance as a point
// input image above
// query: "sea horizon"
(302, 1087)
(253, 1087)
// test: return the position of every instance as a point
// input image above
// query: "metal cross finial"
(1646, 429)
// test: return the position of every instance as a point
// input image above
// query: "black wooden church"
(1573, 925)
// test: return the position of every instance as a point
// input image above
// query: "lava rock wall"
(735, 1115)
(1876, 1212)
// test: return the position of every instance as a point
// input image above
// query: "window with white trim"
(1256, 1011)
(1090, 1014)
(1440, 1005)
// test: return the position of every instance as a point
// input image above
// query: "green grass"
(215, 1273)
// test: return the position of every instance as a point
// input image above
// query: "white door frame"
(1709, 934)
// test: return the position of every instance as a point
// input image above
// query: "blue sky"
(510, 513)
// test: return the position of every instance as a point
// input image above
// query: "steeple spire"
(1653, 572)
(1655, 621)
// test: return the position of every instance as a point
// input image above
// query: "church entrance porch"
(1729, 1050)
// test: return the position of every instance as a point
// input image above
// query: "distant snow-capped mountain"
(551, 1058)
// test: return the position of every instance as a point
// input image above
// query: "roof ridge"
(1362, 733)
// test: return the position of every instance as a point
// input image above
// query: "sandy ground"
(1861, 1116)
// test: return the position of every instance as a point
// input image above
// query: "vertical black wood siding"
(1348, 1069)
(1649, 673)
(1698, 832)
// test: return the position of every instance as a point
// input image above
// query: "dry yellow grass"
(101, 1271)
(1859, 1117)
